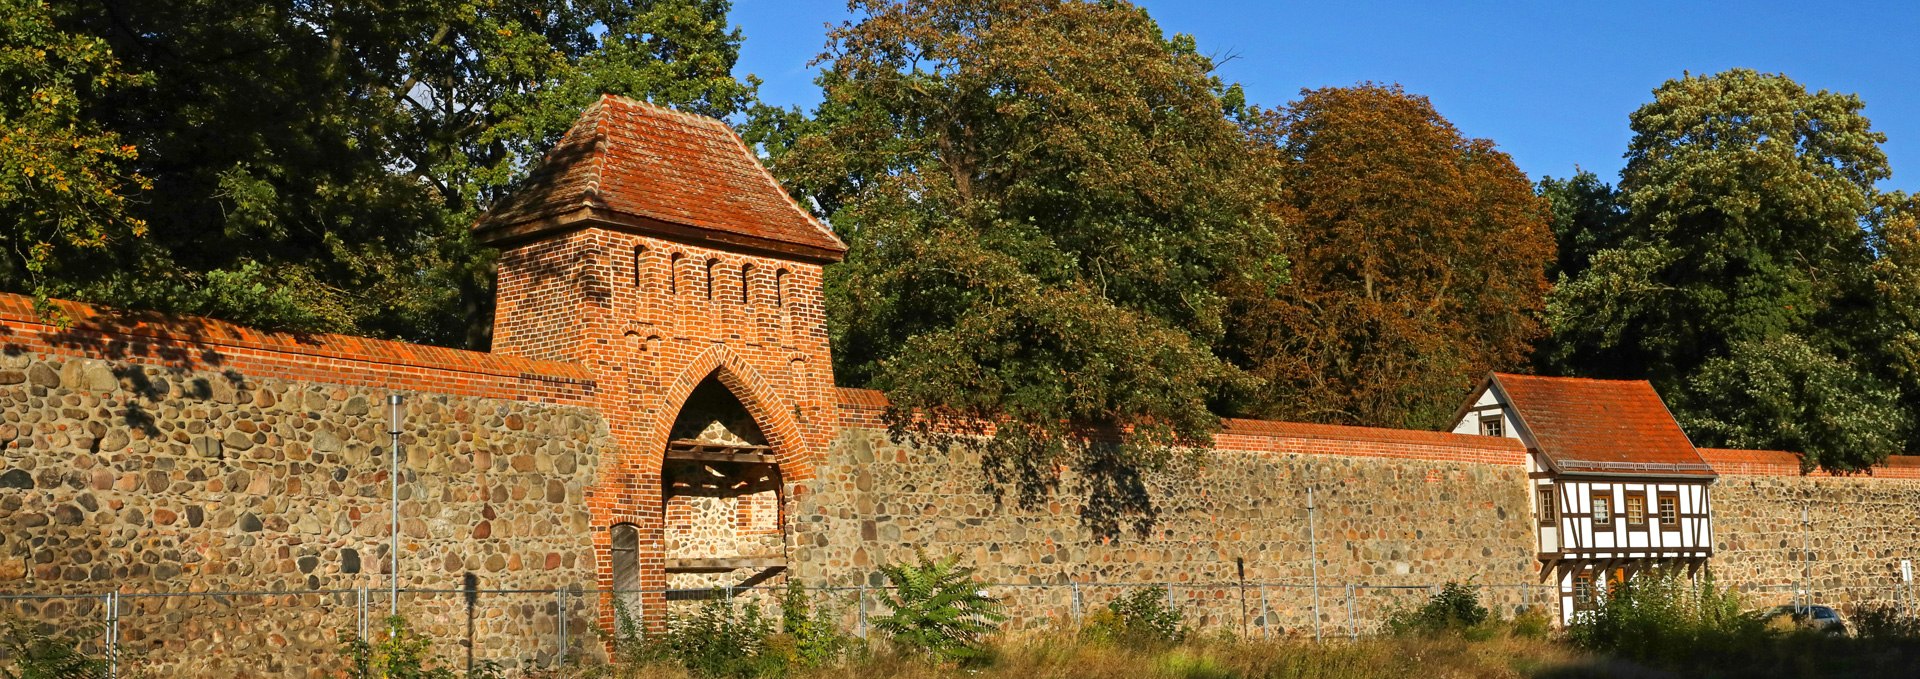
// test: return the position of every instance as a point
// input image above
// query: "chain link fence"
(289, 633)
(284, 633)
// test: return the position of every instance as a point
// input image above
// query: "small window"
(673, 273)
(1492, 426)
(1636, 509)
(780, 288)
(1548, 511)
(639, 265)
(711, 265)
(1602, 509)
(625, 541)
(746, 284)
(1669, 510)
(1583, 593)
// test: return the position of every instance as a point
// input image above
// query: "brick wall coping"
(862, 408)
(196, 343)
(1727, 461)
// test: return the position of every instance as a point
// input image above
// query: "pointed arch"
(772, 413)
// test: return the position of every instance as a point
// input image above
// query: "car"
(1812, 617)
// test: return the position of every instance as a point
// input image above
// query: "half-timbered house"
(1616, 484)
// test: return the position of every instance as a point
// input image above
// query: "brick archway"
(770, 411)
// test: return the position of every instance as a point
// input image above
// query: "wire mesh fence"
(277, 633)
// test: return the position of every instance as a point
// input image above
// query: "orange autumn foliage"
(1418, 258)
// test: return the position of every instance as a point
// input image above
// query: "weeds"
(37, 654)
(1454, 609)
(1141, 617)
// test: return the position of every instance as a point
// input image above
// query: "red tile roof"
(675, 175)
(1601, 426)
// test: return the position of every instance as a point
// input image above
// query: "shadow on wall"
(170, 350)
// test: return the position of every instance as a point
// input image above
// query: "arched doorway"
(721, 496)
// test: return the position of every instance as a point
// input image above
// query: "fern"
(939, 609)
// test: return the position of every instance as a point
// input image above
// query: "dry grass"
(1063, 655)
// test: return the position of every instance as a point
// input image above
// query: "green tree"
(1745, 196)
(1043, 200)
(316, 164)
(1781, 392)
(1417, 263)
(1744, 259)
(64, 180)
(1587, 217)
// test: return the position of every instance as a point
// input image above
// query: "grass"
(1067, 654)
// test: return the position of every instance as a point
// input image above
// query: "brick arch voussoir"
(764, 404)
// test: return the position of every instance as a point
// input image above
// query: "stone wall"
(1858, 528)
(1393, 508)
(190, 462)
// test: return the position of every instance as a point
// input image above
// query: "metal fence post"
(560, 596)
(1353, 629)
(360, 611)
(1266, 614)
(1170, 596)
(1076, 601)
(861, 606)
(113, 634)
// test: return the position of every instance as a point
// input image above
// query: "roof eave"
(504, 235)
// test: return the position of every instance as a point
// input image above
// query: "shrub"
(1532, 623)
(37, 654)
(720, 640)
(1662, 616)
(809, 634)
(1883, 622)
(938, 610)
(1456, 607)
(1142, 617)
(402, 654)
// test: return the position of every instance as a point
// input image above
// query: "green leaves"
(1783, 393)
(343, 147)
(938, 609)
(65, 181)
(1043, 201)
(1750, 268)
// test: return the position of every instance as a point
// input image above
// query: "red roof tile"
(1601, 426)
(672, 174)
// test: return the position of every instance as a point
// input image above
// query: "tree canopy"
(64, 180)
(1742, 260)
(315, 165)
(1418, 259)
(1043, 200)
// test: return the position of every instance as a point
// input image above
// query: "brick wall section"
(651, 318)
(210, 345)
(1394, 508)
(1859, 527)
(1781, 463)
(865, 409)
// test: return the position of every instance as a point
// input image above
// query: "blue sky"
(1550, 82)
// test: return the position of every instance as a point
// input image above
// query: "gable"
(1588, 426)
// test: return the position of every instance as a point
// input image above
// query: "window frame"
(1499, 429)
(1598, 499)
(1642, 497)
(1585, 577)
(1666, 525)
(1549, 499)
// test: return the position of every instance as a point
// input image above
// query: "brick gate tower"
(653, 248)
